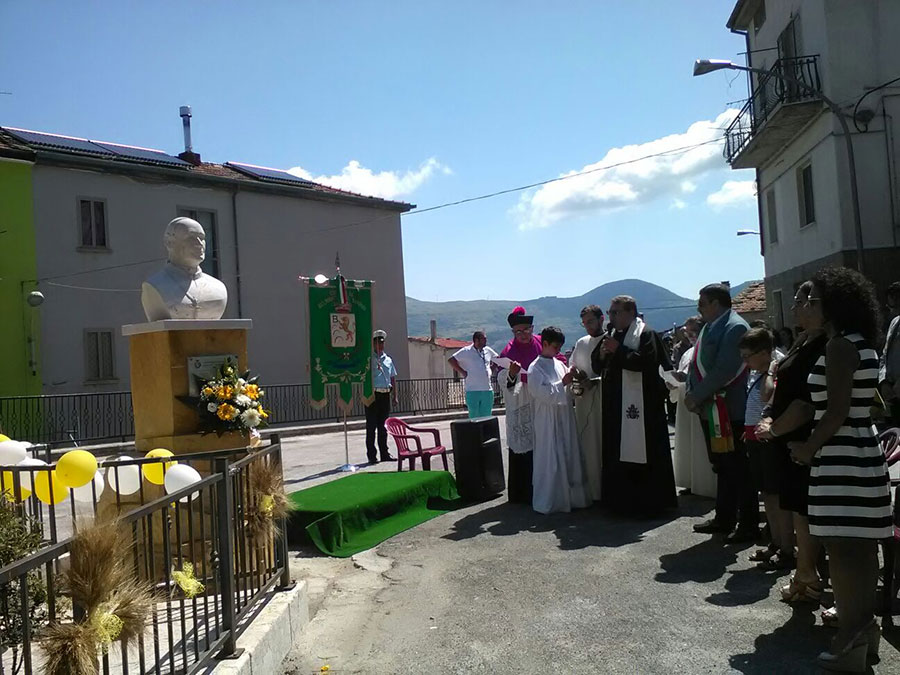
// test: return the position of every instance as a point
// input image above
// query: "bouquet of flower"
(232, 402)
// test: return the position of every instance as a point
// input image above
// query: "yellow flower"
(208, 392)
(225, 392)
(252, 390)
(262, 413)
(226, 412)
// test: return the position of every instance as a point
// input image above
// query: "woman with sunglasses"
(789, 418)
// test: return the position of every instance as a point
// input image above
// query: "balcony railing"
(63, 418)
(771, 93)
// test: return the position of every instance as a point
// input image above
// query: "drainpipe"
(888, 141)
(237, 251)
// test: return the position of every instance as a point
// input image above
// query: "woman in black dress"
(790, 418)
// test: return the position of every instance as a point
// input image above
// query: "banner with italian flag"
(340, 340)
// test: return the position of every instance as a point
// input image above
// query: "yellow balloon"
(9, 487)
(155, 473)
(42, 487)
(76, 468)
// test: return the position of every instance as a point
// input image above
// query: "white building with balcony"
(848, 50)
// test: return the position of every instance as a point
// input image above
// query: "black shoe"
(713, 527)
(373, 460)
(742, 536)
(388, 458)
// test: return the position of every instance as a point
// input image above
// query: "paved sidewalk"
(495, 588)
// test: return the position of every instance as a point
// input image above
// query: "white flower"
(243, 401)
(251, 418)
(212, 407)
(241, 382)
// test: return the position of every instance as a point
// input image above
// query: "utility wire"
(89, 288)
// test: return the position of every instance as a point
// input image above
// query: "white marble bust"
(181, 290)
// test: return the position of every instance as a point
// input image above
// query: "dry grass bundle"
(117, 606)
(271, 502)
(96, 565)
(71, 649)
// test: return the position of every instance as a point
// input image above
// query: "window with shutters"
(99, 355)
(92, 232)
(207, 220)
(806, 196)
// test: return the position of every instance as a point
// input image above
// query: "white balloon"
(126, 480)
(25, 476)
(180, 476)
(85, 493)
(12, 452)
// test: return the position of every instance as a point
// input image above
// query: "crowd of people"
(786, 416)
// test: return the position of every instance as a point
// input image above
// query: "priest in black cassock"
(638, 478)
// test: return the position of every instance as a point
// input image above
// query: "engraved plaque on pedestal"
(204, 368)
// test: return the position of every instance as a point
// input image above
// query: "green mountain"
(459, 319)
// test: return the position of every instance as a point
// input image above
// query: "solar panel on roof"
(82, 145)
(62, 142)
(265, 173)
(146, 154)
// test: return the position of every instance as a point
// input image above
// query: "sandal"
(799, 591)
(763, 554)
(782, 560)
(830, 617)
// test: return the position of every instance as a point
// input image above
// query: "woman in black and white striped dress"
(849, 497)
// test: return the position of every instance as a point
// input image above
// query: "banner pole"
(346, 441)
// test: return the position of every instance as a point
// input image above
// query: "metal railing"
(771, 92)
(84, 418)
(205, 524)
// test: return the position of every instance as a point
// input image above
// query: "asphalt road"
(497, 588)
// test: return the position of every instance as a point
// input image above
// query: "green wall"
(18, 270)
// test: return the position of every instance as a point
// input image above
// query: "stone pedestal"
(159, 352)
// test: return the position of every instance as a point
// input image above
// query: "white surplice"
(692, 467)
(559, 479)
(589, 413)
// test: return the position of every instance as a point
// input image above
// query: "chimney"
(188, 155)
(433, 330)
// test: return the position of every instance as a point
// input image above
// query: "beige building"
(97, 216)
(848, 50)
(428, 356)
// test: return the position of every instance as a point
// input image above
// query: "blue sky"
(429, 103)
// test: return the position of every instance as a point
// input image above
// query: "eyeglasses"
(523, 331)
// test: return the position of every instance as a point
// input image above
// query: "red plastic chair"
(400, 432)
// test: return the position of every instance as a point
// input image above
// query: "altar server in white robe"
(589, 397)
(692, 468)
(559, 479)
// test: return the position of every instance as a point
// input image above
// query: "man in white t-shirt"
(473, 363)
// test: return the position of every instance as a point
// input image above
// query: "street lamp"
(742, 233)
(704, 66)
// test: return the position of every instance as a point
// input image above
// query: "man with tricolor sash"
(716, 390)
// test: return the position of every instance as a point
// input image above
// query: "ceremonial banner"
(340, 340)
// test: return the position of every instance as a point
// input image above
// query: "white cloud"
(733, 193)
(629, 184)
(678, 204)
(387, 184)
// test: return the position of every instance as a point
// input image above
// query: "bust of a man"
(181, 290)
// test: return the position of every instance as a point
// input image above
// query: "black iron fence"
(63, 418)
(206, 524)
(771, 92)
